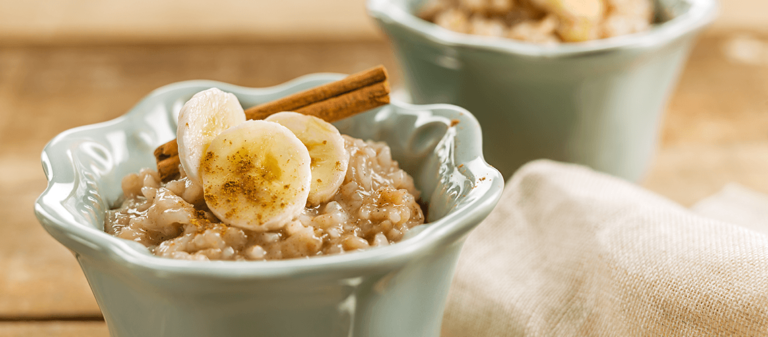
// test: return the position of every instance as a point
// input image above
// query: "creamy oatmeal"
(542, 21)
(375, 205)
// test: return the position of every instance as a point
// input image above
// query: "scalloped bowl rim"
(431, 237)
(700, 14)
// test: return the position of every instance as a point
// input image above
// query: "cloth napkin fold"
(572, 252)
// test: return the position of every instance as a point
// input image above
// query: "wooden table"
(715, 132)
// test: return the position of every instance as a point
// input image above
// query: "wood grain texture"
(689, 173)
(714, 133)
(42, 22)
(44, 91)
(716, 127)
(53, 329)
(116, 22)
(745, 15)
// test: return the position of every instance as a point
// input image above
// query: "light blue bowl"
(398, 290)
(597, 103)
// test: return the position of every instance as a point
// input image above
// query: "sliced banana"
(592, 10)
(207, 114)
(256, 176)
(579, 19)
(326, 149)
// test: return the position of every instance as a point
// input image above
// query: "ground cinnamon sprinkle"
(331, 102)
(243, 165)
(375, 206)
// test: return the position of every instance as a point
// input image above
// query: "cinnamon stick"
(167, 156)
(331, 102)
(333, 108)
(296, 101)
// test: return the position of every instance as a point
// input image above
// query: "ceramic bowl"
(597, 103)
(398, 290)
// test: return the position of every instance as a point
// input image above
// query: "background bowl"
(398, 290)
(596, 103)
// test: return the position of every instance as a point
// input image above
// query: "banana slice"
(256, 176)
(207, 114)
(579, 19)
(326, 148)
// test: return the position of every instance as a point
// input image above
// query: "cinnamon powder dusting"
(375, 206)
(243, 182)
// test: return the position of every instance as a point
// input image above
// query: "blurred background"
(68, 63)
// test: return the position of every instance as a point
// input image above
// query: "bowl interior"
(674, 18)
(439, 145)
(665, 9)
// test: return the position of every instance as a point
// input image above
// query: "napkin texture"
(572, 252)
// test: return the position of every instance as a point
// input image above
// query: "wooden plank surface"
(53, 329)
(44, 91)
(716, 127)
(44, 22)
(176, 21)
(714, 133)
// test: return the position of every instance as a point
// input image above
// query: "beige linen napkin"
(572, 252)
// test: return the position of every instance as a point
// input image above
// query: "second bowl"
(597, 103)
